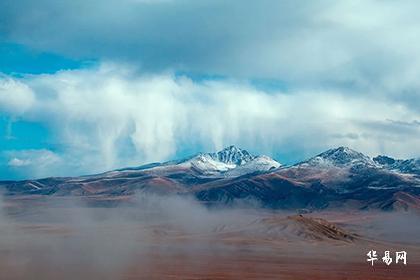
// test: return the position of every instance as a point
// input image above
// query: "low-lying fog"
(66, 238)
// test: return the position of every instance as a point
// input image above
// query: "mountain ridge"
(339, 177)
(221, 162)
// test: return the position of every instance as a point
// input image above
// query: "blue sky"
(88, 86)
(17, 59)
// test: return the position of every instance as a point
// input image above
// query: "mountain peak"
(231, 148)
(384, 160)
(230, 161)
(341, 151)
(340, 156)
(400, 165)
(232, 155)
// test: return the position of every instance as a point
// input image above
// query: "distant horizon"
(283, 164)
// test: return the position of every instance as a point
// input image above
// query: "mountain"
(341, 156)
(339, 177)
(232, 155)
(231, 161)
(404, 166)
(336, 178)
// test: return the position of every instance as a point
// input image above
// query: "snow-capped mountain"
(340, 157)
(257, 164)
(339, 177)
(232, 155)
(231, 161)
(400, 165)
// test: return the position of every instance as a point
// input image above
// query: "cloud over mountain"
(112, 116)
(152, 80)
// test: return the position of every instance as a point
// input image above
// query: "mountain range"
(336, 178)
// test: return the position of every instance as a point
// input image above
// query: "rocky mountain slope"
(339, 177)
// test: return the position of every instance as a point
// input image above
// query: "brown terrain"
(176, 239)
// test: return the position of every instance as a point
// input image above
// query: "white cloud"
(111, 116)
(15, 97)
(351, 69)
(16, 162)
(36, 163)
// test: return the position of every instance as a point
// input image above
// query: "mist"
(73, 238)
(65, 238)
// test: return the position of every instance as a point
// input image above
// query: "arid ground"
(172, 238)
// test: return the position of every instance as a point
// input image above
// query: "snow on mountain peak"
(258, 164)
(400, 165)
(384, 160)
(229, 159)
(232, 155)
(340, 156)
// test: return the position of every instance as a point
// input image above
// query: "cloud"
(348, 67)
(369, 45)
(15, 97)
(35, 163)
(112, 116)
(16, 162)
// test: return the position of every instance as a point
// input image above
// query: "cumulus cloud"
(15, 97)
(350, 70)
(111, 116)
